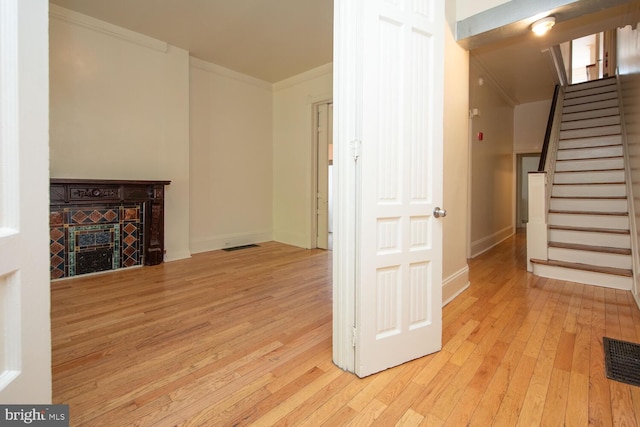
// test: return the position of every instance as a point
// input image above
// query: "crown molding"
(314, 73)
(228, 73)
(75, 18)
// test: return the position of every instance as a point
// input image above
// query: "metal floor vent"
(237, 248)
(622, 361)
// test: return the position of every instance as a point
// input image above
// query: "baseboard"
(483, 245)
(454, 285)
(229, 241)
(301, 241)
(175, 256)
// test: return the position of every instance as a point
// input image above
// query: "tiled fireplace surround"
(98, 225)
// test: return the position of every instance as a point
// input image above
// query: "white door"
(389, 101)
(322, 179)
(25, 337)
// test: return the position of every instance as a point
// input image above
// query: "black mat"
(237, 248)
(622, 361)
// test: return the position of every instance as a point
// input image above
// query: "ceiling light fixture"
(543, 25)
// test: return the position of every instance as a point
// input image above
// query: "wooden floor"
(239, 338)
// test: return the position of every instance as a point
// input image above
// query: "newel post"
(537, 224)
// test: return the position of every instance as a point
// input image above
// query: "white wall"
(529, 126)
(120, 110)
(293, 101)
(455, 270)
(492, 166)
(231, 158)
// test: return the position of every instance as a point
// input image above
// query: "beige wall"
(631, 106)
(230, 158)
(293, 101)
(119, 109)
(529, 126)
(455, 270)
(492, 171)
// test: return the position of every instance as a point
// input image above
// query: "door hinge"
(356, 148)
(353, 336)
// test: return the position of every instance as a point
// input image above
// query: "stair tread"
(587, 137)
(591, 118)
(593, 170)
(590, 229)
(585, 267)
(589, 158)
(588, 212)
(590, 148)
(591, 248)
(589, 183)
(591, 197)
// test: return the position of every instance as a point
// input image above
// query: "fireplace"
(100, 225)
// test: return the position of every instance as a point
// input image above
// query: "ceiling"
(276, 39)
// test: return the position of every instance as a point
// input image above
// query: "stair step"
(608, 103)
(579, 177)
(590, 229)
(604, 82)
(590, 152)
(590, 122)
(590, 114)
(590, 236)
(597, 141)
(579, 266)
(590, 91)
(588, 205)
(589, 164)
(594, 258)
(591, 132)
(588, 99)
(574, 272)
(591, 248)
(618, 220)
(589, 190)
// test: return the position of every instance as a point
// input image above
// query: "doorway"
(525, 163)
(323, 166)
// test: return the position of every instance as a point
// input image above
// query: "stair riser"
(589, 205)
(595, 221)
(609, 89)
(586, 277)
(590, 238)
(609, 103)
(591, 164)
(590, 123)
(611, 111)
(604, 190)
(610, 82)
(590, 132)
(590, 153)
(588, 177)
(590, 99)
(590, 142)
(591, 258)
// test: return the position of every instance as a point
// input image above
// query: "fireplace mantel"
(99, 224)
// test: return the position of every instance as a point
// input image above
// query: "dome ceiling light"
(543, 25)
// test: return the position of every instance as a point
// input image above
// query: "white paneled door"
(397, 150)
(25, 337)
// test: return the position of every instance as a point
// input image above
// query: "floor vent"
(237, 248)
(622, 361)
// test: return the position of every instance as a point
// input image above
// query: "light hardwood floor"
(240, 338)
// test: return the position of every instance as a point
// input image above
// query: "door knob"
(439, 212)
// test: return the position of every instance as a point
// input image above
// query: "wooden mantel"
(105, 224)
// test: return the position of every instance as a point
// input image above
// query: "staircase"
(588, 217)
